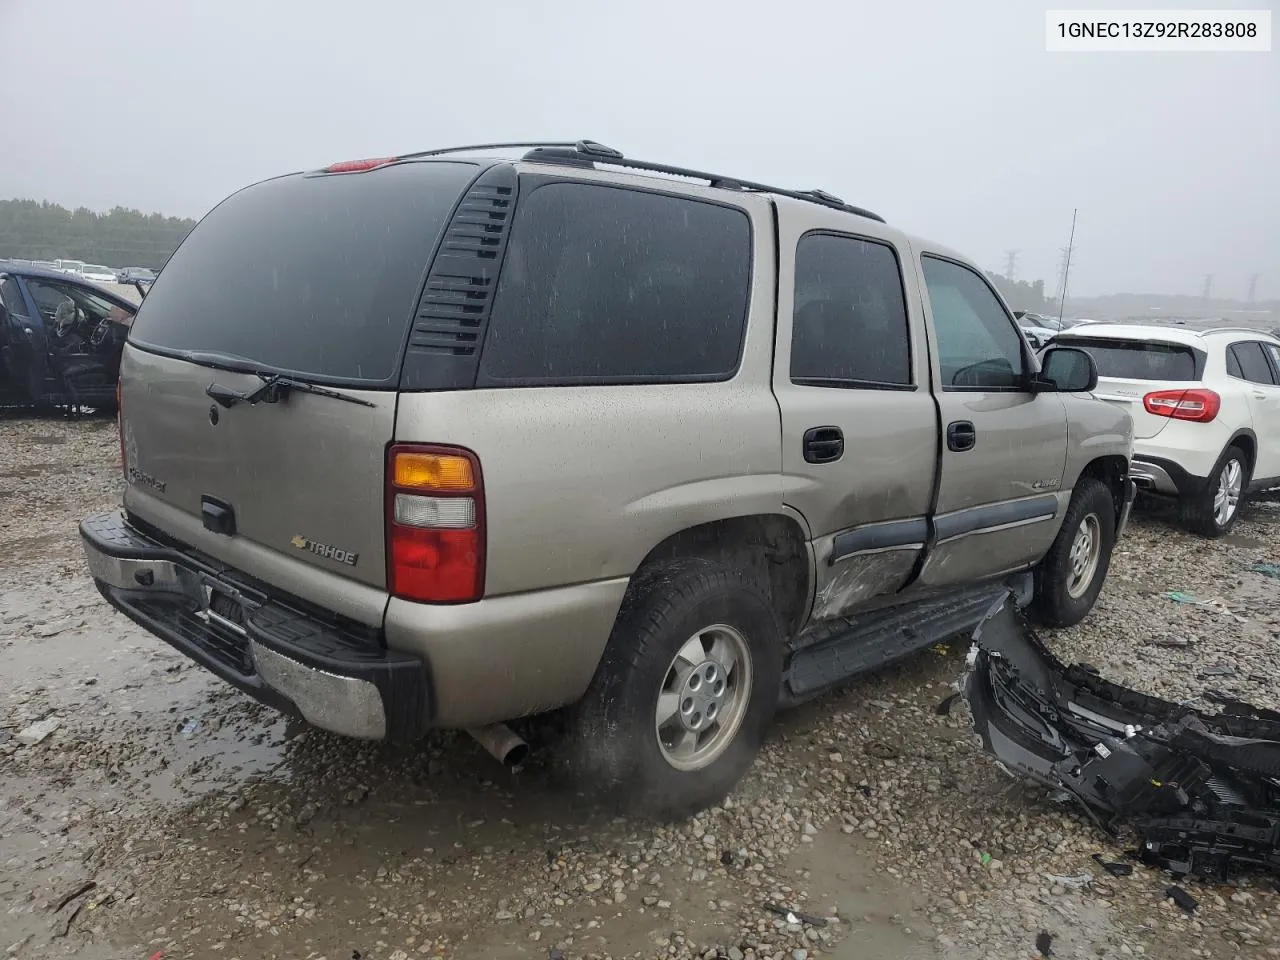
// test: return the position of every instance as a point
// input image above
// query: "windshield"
(1136, 360)
(314, 275)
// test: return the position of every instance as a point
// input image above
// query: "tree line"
(34, 230)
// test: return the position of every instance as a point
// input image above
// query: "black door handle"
(961, 436)
(823, 444)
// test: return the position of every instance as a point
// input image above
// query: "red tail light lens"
(358, 166)
(435, 524)
(1199, 406)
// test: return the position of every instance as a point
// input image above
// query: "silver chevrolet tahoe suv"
(466, 436)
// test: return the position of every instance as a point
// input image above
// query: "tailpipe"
(503, 743)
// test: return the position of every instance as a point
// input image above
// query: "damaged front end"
(1201, 790)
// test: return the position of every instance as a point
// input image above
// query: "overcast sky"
(948, 118)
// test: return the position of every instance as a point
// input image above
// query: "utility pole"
(1066, 267)
(1011, 264)
(1253, 286)
(1208, 286)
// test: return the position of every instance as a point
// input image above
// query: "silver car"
(453, 439)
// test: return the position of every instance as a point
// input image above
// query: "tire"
(1201, 512)
(1066, 583)
(615, 746)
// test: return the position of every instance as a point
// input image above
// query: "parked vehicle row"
(61, 339)
(1205, 402)
(98, 273)
(672, 476)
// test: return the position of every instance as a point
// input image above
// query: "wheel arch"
(774, 545)
(1247, 441)
(1112, 470)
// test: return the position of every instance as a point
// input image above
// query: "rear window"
(317, 275)
(605, 285)
(1135, 360)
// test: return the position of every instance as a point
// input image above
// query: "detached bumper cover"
(1202, 791)
(334, 673)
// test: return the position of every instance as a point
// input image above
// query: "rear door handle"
(1259, 394)
(961, 436)
(823, 444)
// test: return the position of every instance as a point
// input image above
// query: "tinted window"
(317, 275)
(11, 297)
(608, 285)
(1233, 365)
(977, 343)
(1134, 360)
(850, 321)
(1274, 353)
(1253, 362)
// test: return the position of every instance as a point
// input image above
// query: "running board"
(832, 651)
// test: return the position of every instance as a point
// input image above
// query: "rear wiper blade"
(275, 387)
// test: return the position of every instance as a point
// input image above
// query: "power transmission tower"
(1011, 264)
(1208, 286)
(1253, 287)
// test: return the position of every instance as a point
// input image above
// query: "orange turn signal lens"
(433, 471)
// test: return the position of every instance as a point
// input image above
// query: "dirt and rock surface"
(183, 820)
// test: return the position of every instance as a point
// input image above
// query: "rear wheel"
(1213, 511)
(684, 693)
(1071, 575)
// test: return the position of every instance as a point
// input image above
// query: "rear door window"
(1137, 360)
(604, 284)
(1253, 362)
(317, 275)
(850, 314)
(11, 297)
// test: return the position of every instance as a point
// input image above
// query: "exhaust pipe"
(503, 744)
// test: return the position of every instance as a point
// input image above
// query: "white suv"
(1206, 410)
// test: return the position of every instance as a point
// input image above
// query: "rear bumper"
(1163, 476)
(330, 671)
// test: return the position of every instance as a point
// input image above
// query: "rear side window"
(610, 285)
(317, 275)
(850, 314)
(1136, 360)
(1252, 362)
(11, 297)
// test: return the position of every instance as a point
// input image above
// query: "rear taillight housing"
(435, 524)
(1197, 405)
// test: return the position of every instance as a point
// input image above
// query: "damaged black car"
(60, 340)
(1200, 789)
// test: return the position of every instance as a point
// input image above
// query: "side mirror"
(1066, 370)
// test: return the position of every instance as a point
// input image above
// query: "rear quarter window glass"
(1135, 360)
(604, 285)
(317, 275)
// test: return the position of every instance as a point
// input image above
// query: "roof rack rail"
(588, 151)
(521, 145)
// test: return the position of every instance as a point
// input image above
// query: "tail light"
(124, 467)
(1197, 405)
(359, 166)
(435, 524)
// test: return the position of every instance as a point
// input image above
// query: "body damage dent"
(1202, 791)
(859, 578)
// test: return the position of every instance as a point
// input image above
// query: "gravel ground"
(210, 827)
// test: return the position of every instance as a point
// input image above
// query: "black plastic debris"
(1182, 899)
(1044, 943)
(726, 858)
(1113, 868)
(944, 706)
(1201, 790)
